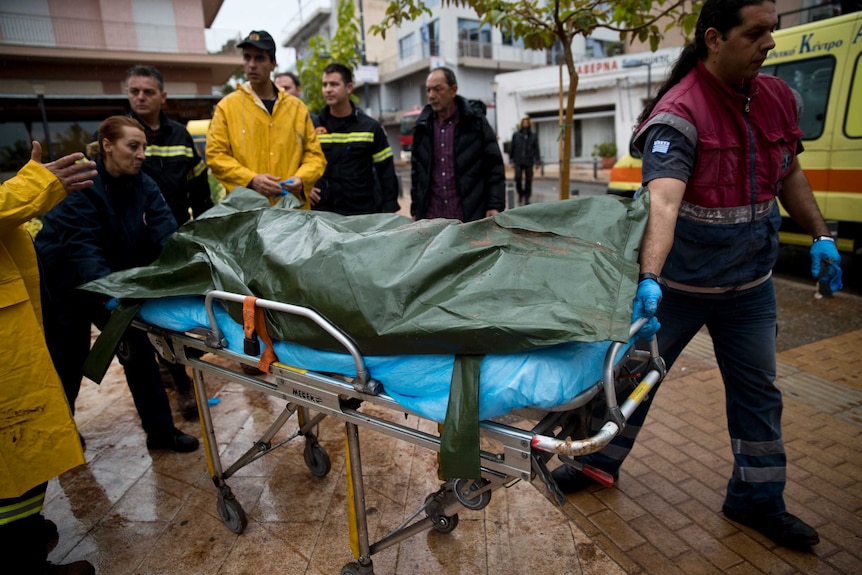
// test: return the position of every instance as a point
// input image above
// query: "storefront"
(610, 96)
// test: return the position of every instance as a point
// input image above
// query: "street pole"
(364, 59)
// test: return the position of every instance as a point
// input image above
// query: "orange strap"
(268, 356)
(248, 308)
(254, 325)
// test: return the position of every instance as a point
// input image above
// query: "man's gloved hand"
(111, 304)
(645, 305)
(826, 264)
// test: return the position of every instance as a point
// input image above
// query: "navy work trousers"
(743, 326)
(67, 333)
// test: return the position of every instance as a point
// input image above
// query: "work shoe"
(76, 568)
(174, 440)
(785, 529)
(570, 480)
(187, 405)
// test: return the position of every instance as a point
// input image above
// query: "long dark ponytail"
(723, 15)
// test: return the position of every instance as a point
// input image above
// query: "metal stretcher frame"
(517, 455)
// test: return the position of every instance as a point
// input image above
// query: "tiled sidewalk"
(130, 511)
(664, 517)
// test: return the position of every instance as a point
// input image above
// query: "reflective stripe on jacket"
(173, 162)
(360, 173)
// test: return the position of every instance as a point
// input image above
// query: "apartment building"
(451, 36)
(64, 65)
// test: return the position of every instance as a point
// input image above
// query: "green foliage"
(605, 150)
(235, 80)
(345, 47)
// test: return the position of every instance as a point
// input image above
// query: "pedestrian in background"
(525, 157)
(39, 439)
(457, 169)
(720, 144)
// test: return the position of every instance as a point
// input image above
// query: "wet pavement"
(139, 512)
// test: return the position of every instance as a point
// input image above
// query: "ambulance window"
(853, 121)
(813, 80)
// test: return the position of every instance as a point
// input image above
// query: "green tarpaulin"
(534, 276)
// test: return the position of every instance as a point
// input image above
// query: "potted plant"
(607, 151)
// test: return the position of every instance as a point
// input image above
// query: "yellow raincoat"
(38, 437)
(244, 141)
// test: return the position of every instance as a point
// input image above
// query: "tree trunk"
(566, 159)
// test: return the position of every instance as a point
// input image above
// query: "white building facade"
(610, 96)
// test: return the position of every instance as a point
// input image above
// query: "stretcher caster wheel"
(316, 459)
(464, 488)
(357, 569)
(231, 513)
(444, 524)
(441, 523)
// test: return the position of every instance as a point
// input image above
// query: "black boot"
(174, 440)
(785, 529)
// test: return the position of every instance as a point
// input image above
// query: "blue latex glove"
(111, 304)
(826, 264)
(284, 191)
(645, 305)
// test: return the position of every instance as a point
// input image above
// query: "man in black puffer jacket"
(457, 169)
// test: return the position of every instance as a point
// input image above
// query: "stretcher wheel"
(477, 502)
(231, 513)
(444, 524)
(356, 569)
(316, 459)
(441, 523)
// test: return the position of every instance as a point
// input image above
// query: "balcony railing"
(474, 49)
(502, 53)
(309, 11)
(27, 30)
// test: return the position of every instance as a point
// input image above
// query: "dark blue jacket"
(480, 176)
(116, 224)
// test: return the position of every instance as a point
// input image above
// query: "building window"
(510, 40)
(602, 48)
(555, 55)
(473, 40)
(430, 38)
(407, 46)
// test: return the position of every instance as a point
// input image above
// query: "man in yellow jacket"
(262, 138)
(38, 437)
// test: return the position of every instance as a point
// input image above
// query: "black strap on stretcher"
(459, 440)
(100, 356)
(254, 325)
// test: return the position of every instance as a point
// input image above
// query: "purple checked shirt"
(444, 201)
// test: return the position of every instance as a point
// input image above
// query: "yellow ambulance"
(823, 62)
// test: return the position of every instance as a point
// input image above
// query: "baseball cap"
(259, 39)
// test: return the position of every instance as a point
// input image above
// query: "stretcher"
(342, 385)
